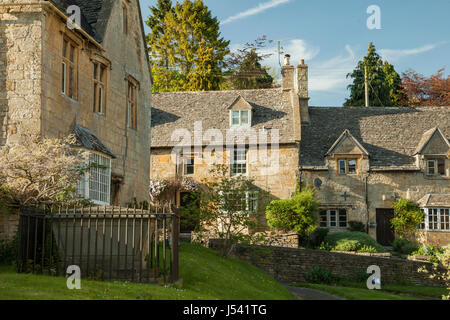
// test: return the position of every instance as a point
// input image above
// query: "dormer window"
(436, 167)
(240, 118)
(347, 166)
(240, 113)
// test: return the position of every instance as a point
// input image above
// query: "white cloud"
(392, 55)
(255, 10)
(330, 75)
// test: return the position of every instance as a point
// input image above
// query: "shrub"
(319, 275)
(367, 249)
(298, 213)
(347, 245)
(8, 251)
(340, 240)
(356, 226)
(429, 250)
(407, 216)
(404, 246)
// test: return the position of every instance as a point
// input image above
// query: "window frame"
(336, 223)
(235, 161)
(436, 217)
(347, 166)
(435, 167)
(69, 61)
(84, 186)
(100, 85)
(132, 101)
(124, 19)
(239, 118)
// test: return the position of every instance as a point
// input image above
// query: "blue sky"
(333, 35)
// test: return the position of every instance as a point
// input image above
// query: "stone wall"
(9, 224)
(411, 185)
(280, 185)
(31, 39)
(292, 265)
(20, 69)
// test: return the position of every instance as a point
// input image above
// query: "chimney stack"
(287, 73)
(303, 95)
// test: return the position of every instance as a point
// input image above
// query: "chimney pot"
(302, 61)
(287, 58)
(288, 74)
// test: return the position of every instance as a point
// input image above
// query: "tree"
(186, 47)
(244, 67)
(422, 91)
(407, 216)
(297, 214)
(224, 209)
(384, 82)
(38, 170)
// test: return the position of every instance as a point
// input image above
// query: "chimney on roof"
(287, 73)
(303, 95)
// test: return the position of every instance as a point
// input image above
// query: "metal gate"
(105, 242)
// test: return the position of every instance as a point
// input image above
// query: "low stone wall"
(9, 223)
(292, 265)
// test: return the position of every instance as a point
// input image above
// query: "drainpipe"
(367, 201)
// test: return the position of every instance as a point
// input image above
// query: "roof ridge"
(217, 91)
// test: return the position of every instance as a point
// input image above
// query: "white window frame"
(252, 196)
(438, 214)
(85, 186)
(241, 162)
(336, 221)
(240, 124)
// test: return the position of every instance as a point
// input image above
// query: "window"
(240, 118)
(333, 218)
(347, 166)
(436, 219)
(125, 18)
(96, 183)
(252, 202)
(186, 165)
(239, 162)
(69, 77)
(436, 167)
(99, 87)
(131, 105)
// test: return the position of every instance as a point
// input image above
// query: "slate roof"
(179, 110)
(390, 135)
(435, 200)
(87, 139)
(94, 14)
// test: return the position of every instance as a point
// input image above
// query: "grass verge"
(206, 275)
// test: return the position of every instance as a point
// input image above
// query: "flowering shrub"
(441, 269)
(164, 189)
(38, 170)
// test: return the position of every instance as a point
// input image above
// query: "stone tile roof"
(87, 139)
(435, 200)
(179, 110)
(94, 14)
(390, 135)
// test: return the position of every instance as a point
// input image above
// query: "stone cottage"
(360, 160)
(93, 80)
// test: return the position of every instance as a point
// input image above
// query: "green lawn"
(206, 276)
(414, 290)
(355, 293)
(359, 291)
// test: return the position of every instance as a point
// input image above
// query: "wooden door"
(385, 233)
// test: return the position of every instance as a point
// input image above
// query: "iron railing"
(105, 242)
